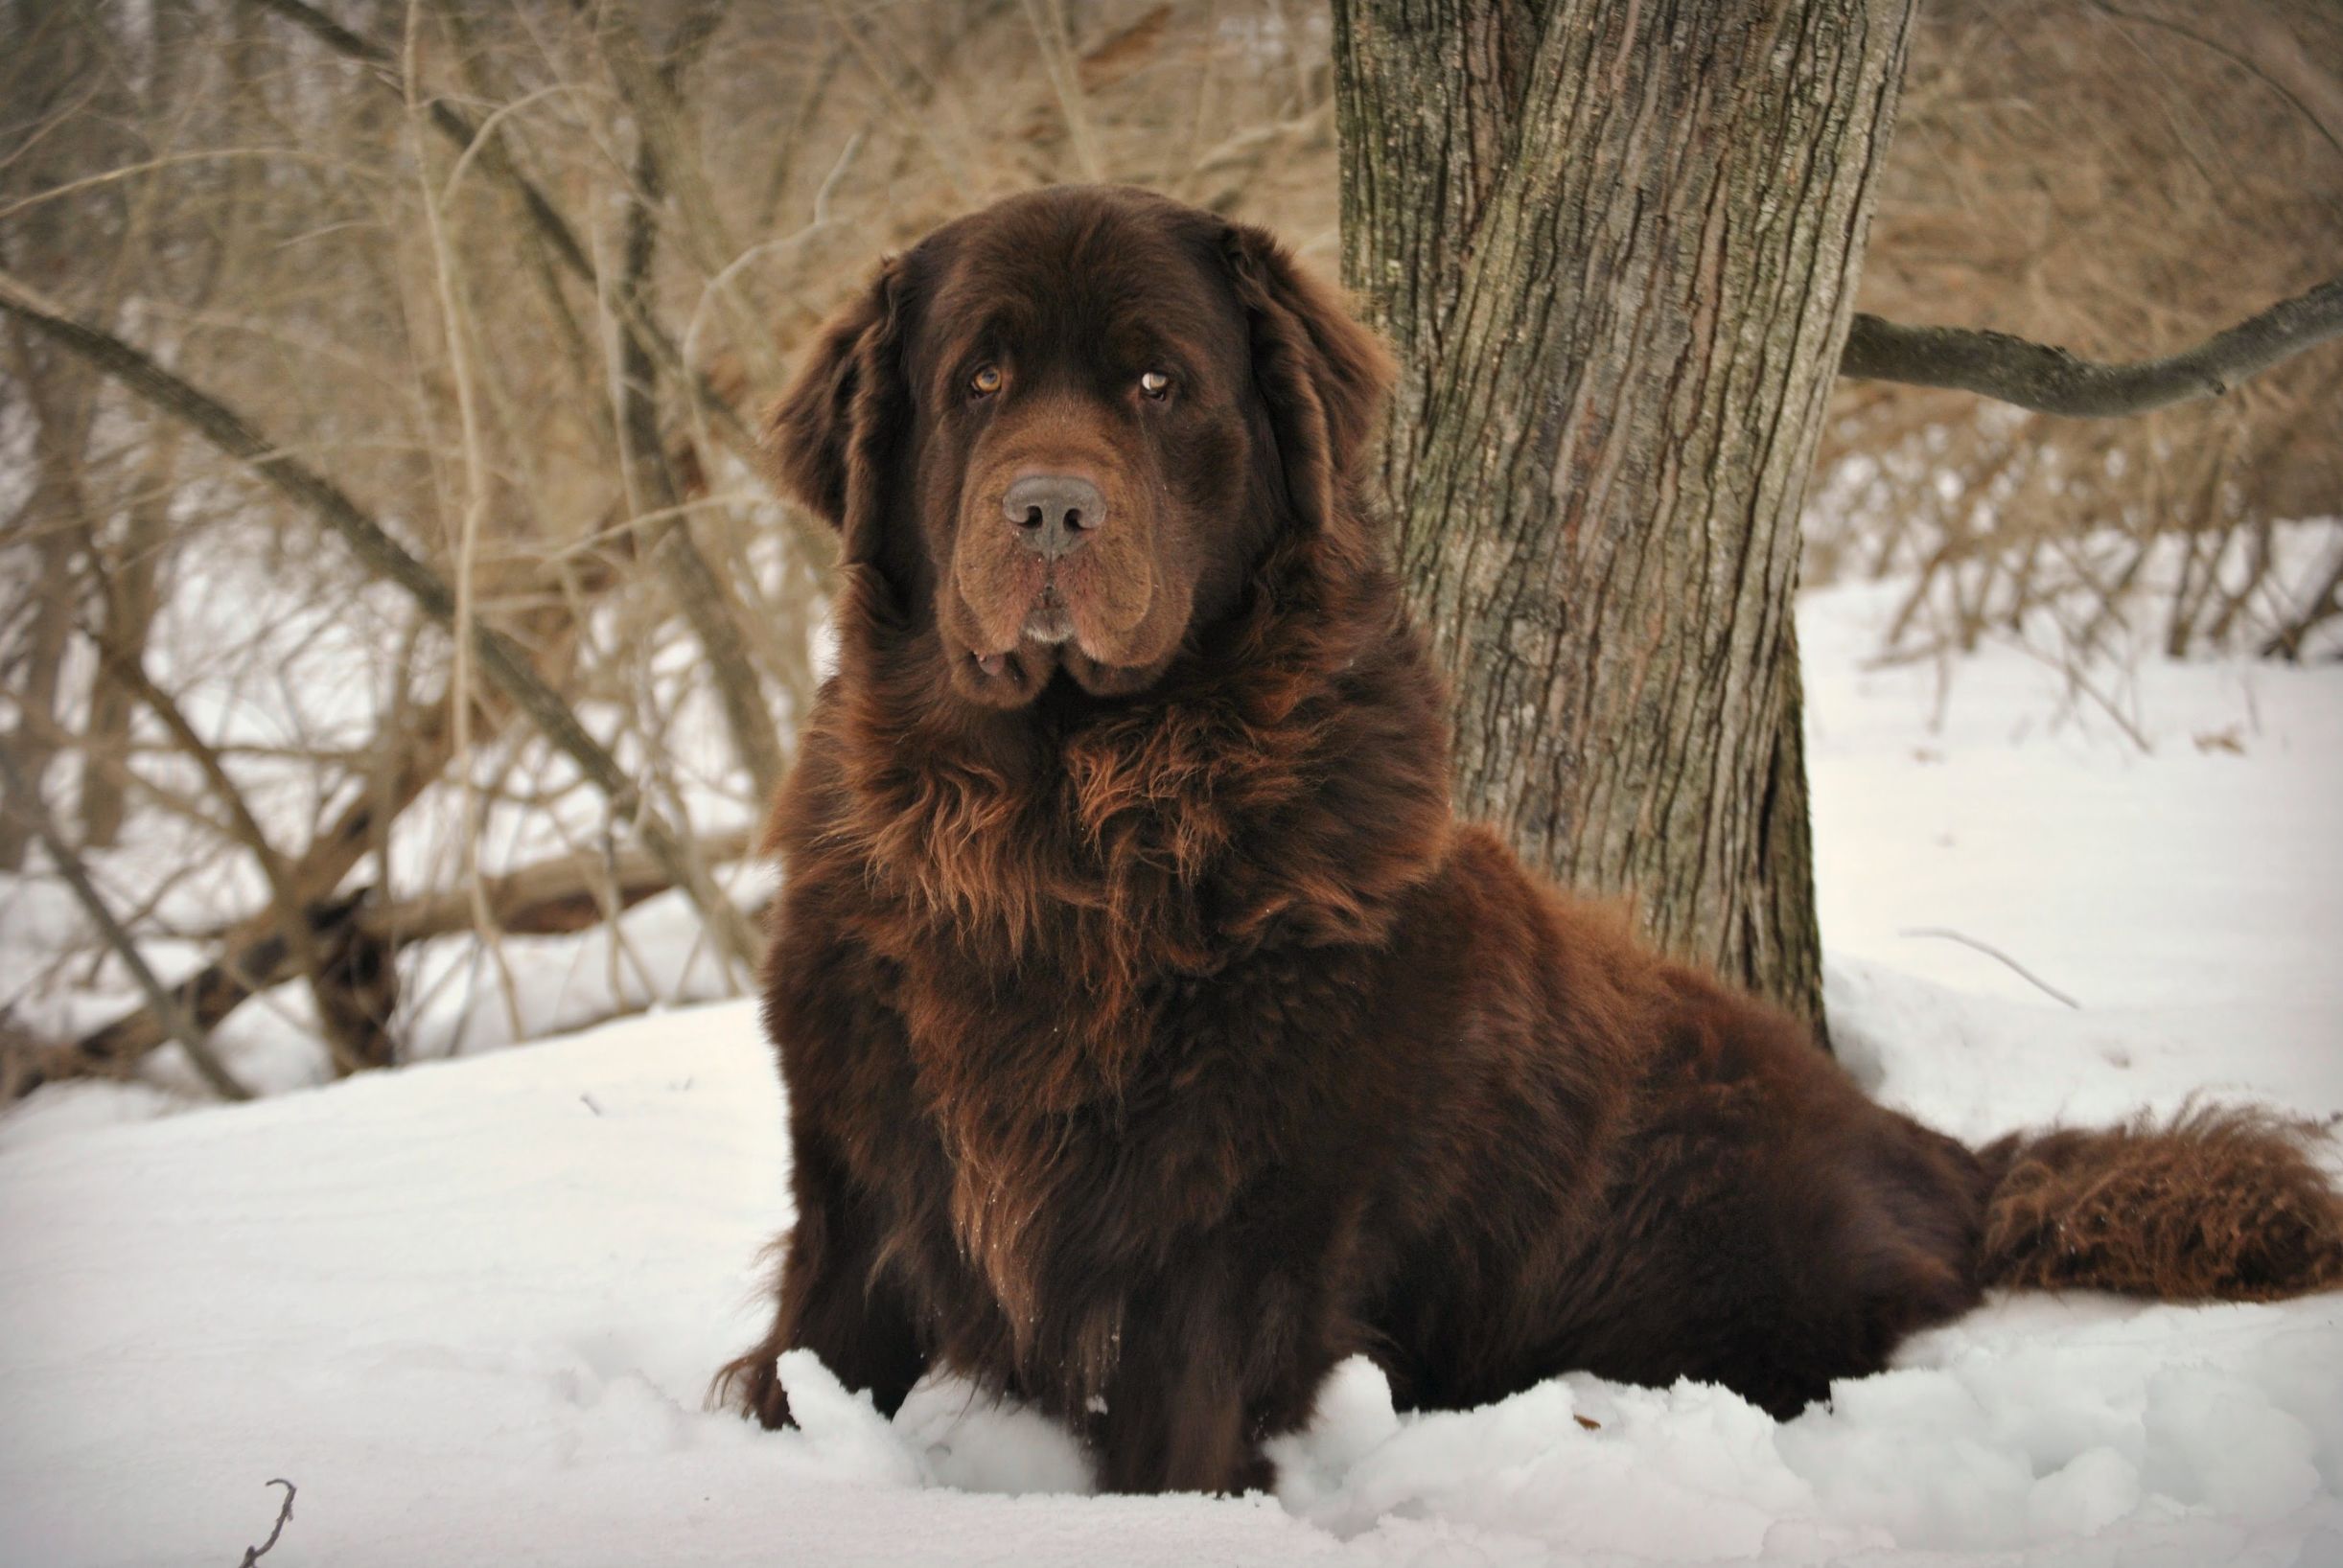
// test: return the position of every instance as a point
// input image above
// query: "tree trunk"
(129, 602)
(54, 522)
(32, 741)
(1616, 245)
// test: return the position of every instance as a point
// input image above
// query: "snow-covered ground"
(470, 1308)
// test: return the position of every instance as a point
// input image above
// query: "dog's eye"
(986, 381)
(1155, 384)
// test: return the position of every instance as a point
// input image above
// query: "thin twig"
(174, 1017)
(546, 218)
(340, 166)
(899, 111)
(1991, 952)
(2243, 63)
(500, 659)
(1057, 52)
(244, 828)
(254, 1554)
(456, 319)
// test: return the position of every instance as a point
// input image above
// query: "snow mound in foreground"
(473, 1307)
(470, 1309)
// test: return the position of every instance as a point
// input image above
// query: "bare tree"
(512, 283)
(437, 332)
(1618, 248)
(2123, 180)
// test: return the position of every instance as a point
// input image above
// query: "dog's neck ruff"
(1286, 782)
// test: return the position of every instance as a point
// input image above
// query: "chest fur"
(1088, 1146)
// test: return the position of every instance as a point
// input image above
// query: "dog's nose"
(1055, 513)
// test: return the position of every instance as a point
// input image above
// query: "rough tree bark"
(1616, 245)
(129, 592)
(54, 519)
(32, 739)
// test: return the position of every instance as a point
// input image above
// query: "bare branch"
(343, 1038)
(2320, 608)
(1991, 952)
(565, 894)
(254, 1554)
(500, 660)
(416, 746)
(342, 167)
(176, 1020)
(457, 326)
(543, 216)
(1056, 51)
(2243, 63)
(2052, 380)
(651, 481)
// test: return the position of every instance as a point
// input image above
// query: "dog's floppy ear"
(826, 439)
(1323, 377)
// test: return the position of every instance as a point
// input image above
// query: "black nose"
(1055, 513)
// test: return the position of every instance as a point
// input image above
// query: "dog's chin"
(1049, 624)
(1048, 641)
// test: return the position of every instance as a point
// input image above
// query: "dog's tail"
(2217, 1204)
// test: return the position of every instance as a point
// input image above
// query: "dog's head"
(1063, 431)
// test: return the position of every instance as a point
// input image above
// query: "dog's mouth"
(1048, 626)
(1048, 641)
(1022, 620)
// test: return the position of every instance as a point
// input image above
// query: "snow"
(2189, 896)
(281, 662)
(471, 1308)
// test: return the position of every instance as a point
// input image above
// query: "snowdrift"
(471, 1308)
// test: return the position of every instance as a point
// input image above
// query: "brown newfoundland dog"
(1154, 1036)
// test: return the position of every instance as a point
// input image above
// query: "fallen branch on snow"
(1990, 952)
(254, 1554)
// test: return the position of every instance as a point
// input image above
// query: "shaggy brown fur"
(2223, 1203)
(1154, 1038)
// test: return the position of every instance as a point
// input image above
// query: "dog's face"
(1064, 430)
